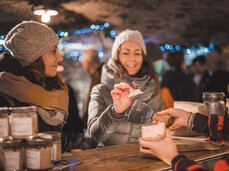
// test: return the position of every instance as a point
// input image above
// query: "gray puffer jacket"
(110, 128)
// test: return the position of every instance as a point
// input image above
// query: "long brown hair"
(147, 68)
(38, 69)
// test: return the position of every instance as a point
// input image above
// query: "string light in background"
(206, 50)
(64, 45)
(2, 37)
(190, 53)
(92, 28)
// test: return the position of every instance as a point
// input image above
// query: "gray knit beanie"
(128, 35)
(29, 40)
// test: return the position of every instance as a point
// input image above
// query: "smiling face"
(51, 59)
(130, 56)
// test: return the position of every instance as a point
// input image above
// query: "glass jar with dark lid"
(23, 122)
(13, 154)
(38, 153)
(56, 139)
(4, 123)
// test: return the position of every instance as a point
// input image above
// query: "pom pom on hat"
(29, 40)
(128, 35)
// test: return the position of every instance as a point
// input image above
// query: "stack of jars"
(22, 146)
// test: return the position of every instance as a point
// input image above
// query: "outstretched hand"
(164, 149)
(180, 117)
(120, 97)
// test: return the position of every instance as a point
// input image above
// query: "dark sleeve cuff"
(226, 128)
(176, 158)
(201, 124)
(181, 162)
(116, 115)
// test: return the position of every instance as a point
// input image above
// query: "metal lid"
(4, 110)
(213, 95)
(50, 135)
(38, 141)
(23, 109)
(11, 143)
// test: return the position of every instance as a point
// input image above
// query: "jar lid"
(50, 135)
(214, 95)
(11, 143)
(4, 110)
(38, 141)
(23, 109)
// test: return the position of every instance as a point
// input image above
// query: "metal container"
(214, 102)
(13, 154)
(38, 152)
(24, 122)
(4, 123)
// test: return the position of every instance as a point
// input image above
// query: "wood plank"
(194, 144)
(128, 157)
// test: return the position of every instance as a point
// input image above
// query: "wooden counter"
(128, 157)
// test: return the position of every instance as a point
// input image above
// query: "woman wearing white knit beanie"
(115, 116)
(28, 76)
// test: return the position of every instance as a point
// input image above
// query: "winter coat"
(73, 124)
(110, 128)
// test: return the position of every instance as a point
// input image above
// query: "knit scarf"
(146, 84)
(19, 88)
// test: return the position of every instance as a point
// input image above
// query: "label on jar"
(54, 151)
(4, 128)
(12, 160)
(33, 159)
(21, 126)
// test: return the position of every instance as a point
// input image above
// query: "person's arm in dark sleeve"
(181, 162)
(201, 124)
(226, 128)
(215, 127)
(222, 164)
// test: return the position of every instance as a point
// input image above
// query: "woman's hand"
(180, 117)
(165, 149)
(120, 97)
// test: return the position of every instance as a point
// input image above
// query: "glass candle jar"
(56, 139)
(13, 154)
(23, 122)
(38, 152)
(4, 123)
(214, 102)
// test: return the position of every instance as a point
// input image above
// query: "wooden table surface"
(128, 157)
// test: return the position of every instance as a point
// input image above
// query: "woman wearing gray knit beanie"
(128, 94)
(28, 76)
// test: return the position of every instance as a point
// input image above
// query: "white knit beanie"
(128, 35)
(30, 40)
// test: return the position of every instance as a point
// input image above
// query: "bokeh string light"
(92, 28)
(190, 53)
(203, 51)
(76, 54)
(2, 37)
